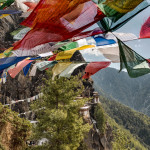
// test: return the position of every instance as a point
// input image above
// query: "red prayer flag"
(50, 10)
(52, 58)
(63, 28)
(145, 30)
(94, 67)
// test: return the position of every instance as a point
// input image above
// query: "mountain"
(128, 122)
(133, 92)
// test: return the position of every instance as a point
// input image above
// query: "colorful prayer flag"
(6, 4)
(64, 26)
(59, 67)
(108, 24)
(117, 8)
(97, 41)
(13, 72)
(68, 54)
(69, 70)
(45, 64)
(9, 61)
(3, 16)
(6, 53)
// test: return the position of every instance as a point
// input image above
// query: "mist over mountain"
(133, 92)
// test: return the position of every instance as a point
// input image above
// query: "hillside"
(137, 123)
(133, 92)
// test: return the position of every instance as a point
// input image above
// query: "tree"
(100, 118)
(58, 114)
(14, 131)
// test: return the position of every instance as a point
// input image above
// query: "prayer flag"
(26, 68)
(68, 54)
(45, 64)
(9, 61)
(33, 71)
(13, 72)
(69, 70)
(117, 8)
(88, 33)
(34, 51)
(52, 58)
(145, 30)
(59, 67)
(21, 34)
(94, 67)
(6, 53)
(135, 64)
(97, 41)
(31, 5)
(26, 5)
(9, 12)
(110, 52)
(46, 54)
(59, 25)
(6, 4)
(4, 15)
(108, 24)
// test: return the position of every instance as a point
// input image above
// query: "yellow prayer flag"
(60, 67)
(68, 54)
(4, 54)
(4, 15)
(123, 6)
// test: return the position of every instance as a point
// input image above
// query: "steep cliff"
(7, 25)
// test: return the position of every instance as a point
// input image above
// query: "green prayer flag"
(16, 31)
(6, 4)
(135, 64)
(116, 8)
(8, 53)
(113, 22)
(2, 1)
(69, 46)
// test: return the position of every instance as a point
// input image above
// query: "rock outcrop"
(7, 25)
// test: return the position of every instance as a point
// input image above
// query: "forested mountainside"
(136, 123)
(133, 92)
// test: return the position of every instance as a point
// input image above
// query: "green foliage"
(123, 139)
(137, 123)
(100, 118)
(58, 114)
(18, 129)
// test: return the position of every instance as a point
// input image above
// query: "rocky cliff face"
(7, 25)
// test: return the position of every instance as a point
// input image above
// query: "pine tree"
(58, 114)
